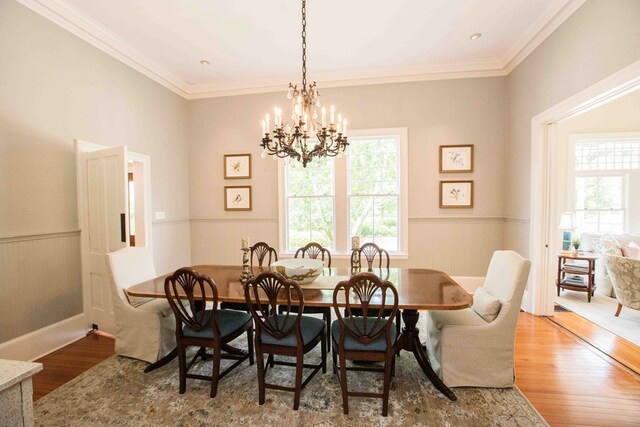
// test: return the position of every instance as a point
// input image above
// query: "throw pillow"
(486, 305)
(631, 250)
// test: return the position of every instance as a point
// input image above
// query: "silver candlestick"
(246, 272)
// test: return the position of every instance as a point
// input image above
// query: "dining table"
(418, 289)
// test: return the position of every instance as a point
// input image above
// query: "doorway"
(113, 212)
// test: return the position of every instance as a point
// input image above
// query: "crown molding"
(93, 33)
(538, 33)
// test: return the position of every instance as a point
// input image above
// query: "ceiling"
(255, 45)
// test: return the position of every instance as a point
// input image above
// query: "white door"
(103, 191)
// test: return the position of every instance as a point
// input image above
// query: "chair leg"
(182, 368)
(335, 361)
(343, 385)
(216, 368)
(618, 310)
(388, 367)
(260, 363)
(327, 320)
(323, 346)
(250, 345)
(298, 385)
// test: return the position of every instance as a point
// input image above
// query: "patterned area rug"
(118, 392)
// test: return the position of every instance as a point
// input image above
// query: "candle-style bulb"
(324, 117)
(332, 118)
(344, 127)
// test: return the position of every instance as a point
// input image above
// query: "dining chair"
(262, 252)
(186, 290)
(373, 252)
(475, 346)
(369, 337)
(144, 326)
(314, 250)
(287, 334)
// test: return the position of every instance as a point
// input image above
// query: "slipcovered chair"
(145, 328)
(475, 346)
(625, 277)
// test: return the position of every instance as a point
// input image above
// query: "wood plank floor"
(568, 381)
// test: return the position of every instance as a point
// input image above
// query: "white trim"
(539, 293)
(84, 27)
(43, 341)
(40, 236)
(539, 32)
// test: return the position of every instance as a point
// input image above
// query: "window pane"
(310, 220)
(314, 180)
(599, 192)
(608, 155)
(375, 219)
(611, 222)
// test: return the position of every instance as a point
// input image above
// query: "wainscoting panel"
(217, 241)
(516, 235)
(40, 282)
(458, 246)
(171, 245)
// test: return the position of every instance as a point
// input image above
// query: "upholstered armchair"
(475, 346)
(625, 278)
(145, 328)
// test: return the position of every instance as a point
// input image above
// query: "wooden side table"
(577, 277)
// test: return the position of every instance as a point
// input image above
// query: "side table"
(577, 277)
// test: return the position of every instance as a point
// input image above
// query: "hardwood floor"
(568, 381)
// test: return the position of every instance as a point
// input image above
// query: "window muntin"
(600, 203)
(607, 155)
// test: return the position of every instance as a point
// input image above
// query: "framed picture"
(237, 166)
(237, 198)
(456, 194)
(456, 158)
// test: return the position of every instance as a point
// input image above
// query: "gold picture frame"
(237, 166)
(456, 194)
(456, 158)
(237, 198)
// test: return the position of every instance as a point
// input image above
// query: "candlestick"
(246, 272)
(355, 243)
(244, 243)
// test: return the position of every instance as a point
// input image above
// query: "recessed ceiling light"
(204, 62)
(475, 36)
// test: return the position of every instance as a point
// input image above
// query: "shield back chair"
(474, 347)
(264, 255)
(144, 326)
(314, 250)
(287, 334)
(370, 336)
(375, 257)
(187, 291)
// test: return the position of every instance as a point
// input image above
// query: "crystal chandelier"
(292, 140)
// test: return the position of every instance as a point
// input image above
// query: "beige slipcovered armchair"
(145, 328)
(467, 349)
(625, 278)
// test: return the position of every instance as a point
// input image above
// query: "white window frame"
(341, 198)
(619, 137)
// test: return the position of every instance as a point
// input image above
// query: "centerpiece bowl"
(300, 270)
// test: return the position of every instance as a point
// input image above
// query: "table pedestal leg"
(410, 341)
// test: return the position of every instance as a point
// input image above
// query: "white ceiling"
(255, 45)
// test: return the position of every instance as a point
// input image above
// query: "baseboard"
(38, 343)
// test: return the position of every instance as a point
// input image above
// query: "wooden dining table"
(418, 289)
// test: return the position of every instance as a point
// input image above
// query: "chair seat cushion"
(309, 326)
(352, 344)
(229, 321)
(466, 317)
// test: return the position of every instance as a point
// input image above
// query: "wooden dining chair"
(198, 326)
(314, 250)
(370, 337)
(264, 256)
(373, 253)
(287, 334)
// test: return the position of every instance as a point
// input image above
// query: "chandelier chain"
(304, 46)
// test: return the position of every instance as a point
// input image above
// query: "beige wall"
(599, 39)
(620, 115)
(55, 88)
(465, 111)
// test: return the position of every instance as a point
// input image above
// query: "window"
(603, 168)
(363, 194)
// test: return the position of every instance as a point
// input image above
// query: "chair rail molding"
(39, 236)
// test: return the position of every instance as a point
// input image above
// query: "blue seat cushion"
(352, 344)
(310, 327)
(229, 321)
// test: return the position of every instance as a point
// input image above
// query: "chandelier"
(329, 138)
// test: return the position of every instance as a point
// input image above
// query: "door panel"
(105, 183)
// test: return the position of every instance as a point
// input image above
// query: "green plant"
(575, 242)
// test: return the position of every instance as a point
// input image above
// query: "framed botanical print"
(237, 198)
(456, 194)
(456, 158)
(237, 166)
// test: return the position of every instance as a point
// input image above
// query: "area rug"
(118, 393)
